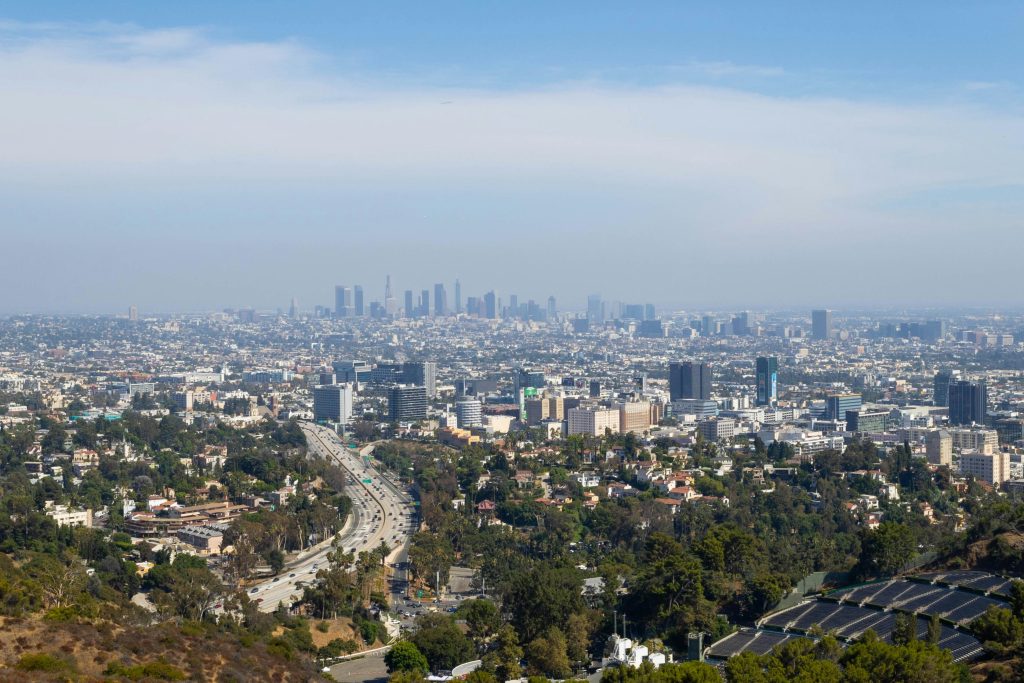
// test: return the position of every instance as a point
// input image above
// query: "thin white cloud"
(723, 69)
(114, 107)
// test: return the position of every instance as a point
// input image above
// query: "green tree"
(873, 660)
(480, 676)
(904, 630)
(504, 659)
(578, 632)
(430, 557)
(547, 655)
(482, 618)
(543, 597)
(885, 550)
(999, 629)
(934, 629)
(442, 642)
(405, 656)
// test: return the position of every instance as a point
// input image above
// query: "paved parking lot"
(368, 669)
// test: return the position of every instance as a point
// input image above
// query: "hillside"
(34, 649)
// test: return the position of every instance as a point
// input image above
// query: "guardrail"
(331, 661)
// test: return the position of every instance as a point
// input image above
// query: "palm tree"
(383, 550)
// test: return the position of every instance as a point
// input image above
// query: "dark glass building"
(689, 380)
(821, 324)
(941, 388)
(767, 380)
(968, 402)
(407, 403)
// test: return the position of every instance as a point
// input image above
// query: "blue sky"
(674, 152)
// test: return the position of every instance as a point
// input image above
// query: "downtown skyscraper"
(689, 380)
(767, 368)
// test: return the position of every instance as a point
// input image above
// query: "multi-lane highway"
(381, 511)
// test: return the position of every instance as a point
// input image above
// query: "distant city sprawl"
(497, 487)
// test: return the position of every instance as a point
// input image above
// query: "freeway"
(381, 511)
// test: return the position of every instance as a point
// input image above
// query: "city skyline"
(175, 154)
(586, 341)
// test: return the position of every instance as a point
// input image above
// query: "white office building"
(991, 467)
(332, 403)
(469, 412)
(592, 420)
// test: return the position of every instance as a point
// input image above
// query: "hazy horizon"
(195, 158)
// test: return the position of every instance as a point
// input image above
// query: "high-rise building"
(332, 403)
(184, 401)
(649, 312)
(491, 305)
(358, 301)
(650, 329)
(821, 324)
(440, 300)
(634, 416)
(407, 403)
(469, 412)
(709, 326)
(974, 439)
(633, 311)
(389, 299)
(529, 379)
(343, 301)
(968, 402)
(767, 380)
(867, 421)
(422, 374)
(513, 305)
(409, 310)
(741, 324)
(595, 309)
(592, 420)
(933, 330)
(938, 446)
(689, 380)
(991, 467)
(425, 303)
(293, 309)
(537, 410)
(458, 296)
(133, 313)
(552, 308)
(715, 429)
(940, 396)
(837, 405)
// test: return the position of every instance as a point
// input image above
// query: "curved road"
(381, 511)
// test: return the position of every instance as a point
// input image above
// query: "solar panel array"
(749, 640)
(949, 603)
(981, 582)
(958, 598)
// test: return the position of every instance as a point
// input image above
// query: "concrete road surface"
(381, 511)
(367, 669)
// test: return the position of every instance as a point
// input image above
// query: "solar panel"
(784, 618)
(850, 613)
(990, 584)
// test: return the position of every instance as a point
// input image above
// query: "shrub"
(42, 661)
(160, 670)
